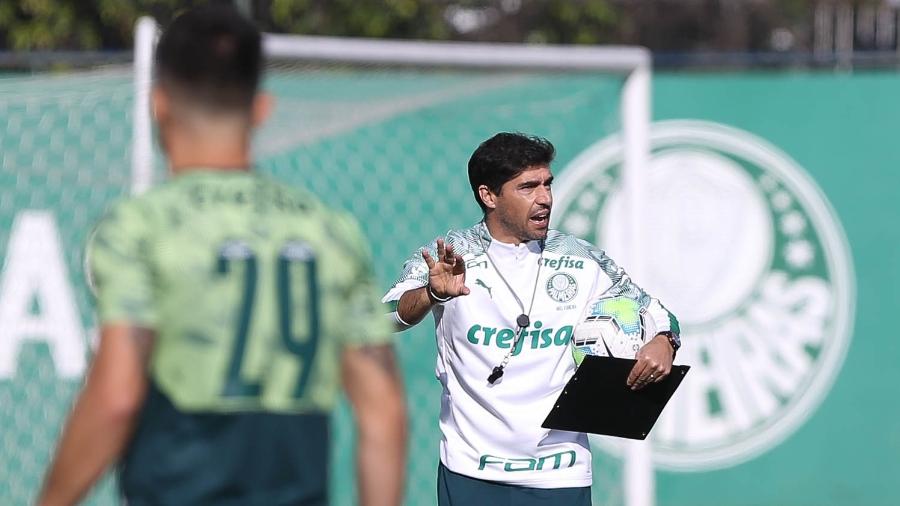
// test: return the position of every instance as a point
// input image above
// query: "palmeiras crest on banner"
(742, 245)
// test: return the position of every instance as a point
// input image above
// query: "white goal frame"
(633, 63)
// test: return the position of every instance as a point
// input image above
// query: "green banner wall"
(761, 188)
(841, 129)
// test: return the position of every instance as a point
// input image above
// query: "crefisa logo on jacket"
(740, 243)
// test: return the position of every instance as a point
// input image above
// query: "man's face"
(521, 211)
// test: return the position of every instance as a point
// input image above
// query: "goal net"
(382, 129)
(64, 157)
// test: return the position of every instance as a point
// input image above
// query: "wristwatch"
(674, 340)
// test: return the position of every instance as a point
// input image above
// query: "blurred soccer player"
(231, 307)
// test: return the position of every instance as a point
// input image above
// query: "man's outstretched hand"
(446, 273)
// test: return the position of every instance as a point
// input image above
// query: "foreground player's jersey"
(493, 432)
(252, 288)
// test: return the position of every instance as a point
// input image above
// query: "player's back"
(251, 287)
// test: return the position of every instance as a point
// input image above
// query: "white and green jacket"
(493, 432)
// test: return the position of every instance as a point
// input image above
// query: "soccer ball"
(612, 326)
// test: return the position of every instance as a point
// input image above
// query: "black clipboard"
(597, 400)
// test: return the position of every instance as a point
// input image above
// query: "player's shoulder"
(340, 224)
(562, 243)
(126, 221)
(145, 206)
(465, 241)
(470, 239)
(298, 194)
(130, 211)
(300, 197)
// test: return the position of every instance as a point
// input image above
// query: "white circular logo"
(742, 246)
(562, 287)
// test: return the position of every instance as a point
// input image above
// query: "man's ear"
(262, 108)
(160, 104)
(487, 196)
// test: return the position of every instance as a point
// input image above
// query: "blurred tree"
(546, 21)
(359, 18)
(662, 25)
(553, 21)
(78, 24)
(48, 24)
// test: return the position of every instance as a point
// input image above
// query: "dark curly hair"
(503, 157)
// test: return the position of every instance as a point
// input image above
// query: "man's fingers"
(445, 253)
(656, 375)
(444, 266)
(651, 366)
(636, 372)
(645, 371)
(653, 373)
(428, 260)
(661, 373)
(459, 265)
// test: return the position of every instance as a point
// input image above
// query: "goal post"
(632, 62)
(361, 120)
(145, 34)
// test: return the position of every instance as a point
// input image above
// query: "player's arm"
(446, 280)
(371, 380)
(103, 417)
(375, 391)
(655, 358)
(413, 306)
